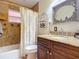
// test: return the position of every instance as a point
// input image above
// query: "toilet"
(31, 51)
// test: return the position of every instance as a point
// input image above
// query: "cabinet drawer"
(44, 42)
(72, 52)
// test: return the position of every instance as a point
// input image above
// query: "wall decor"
(65, 12)
(43, 23)
(55, 28)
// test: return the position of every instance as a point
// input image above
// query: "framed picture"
(42, 24)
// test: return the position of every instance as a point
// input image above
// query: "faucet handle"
(50, 32)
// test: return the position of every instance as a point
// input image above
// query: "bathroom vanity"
(51, 47)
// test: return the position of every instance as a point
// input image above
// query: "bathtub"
(9, 52)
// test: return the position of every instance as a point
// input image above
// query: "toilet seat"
(31, 49)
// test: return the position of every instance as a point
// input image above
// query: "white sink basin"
(59, 37)
(55, 36)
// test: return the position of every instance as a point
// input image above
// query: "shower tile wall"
(11, 34)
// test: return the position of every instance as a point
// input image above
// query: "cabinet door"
(64, 51)
(3, 11)
(59, 52)
(51, 55)
(59, 56)
(43, 53)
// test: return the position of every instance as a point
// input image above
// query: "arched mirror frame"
(66, 3)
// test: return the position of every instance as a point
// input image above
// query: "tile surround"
(62, 33)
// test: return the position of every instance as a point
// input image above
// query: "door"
(43, 53)
(59, 52)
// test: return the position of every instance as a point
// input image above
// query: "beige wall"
(43, 8)
(43, 5)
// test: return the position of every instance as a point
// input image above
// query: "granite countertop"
(63, 39)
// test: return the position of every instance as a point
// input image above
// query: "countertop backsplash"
(62, 33)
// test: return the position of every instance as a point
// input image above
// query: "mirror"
(65, 12)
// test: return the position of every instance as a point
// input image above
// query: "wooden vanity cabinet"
(65, 51)
(43, 53)
(57, 53)
(48, 49)
(43, 49)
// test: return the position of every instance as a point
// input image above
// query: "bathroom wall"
(67, 27)
(44, 5)
(47, 8)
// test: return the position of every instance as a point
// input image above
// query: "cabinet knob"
(48, 52)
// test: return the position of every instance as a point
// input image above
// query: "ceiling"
(27, 3)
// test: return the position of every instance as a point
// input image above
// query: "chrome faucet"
(62, 32)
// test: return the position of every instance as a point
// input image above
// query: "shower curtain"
(28, 28)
